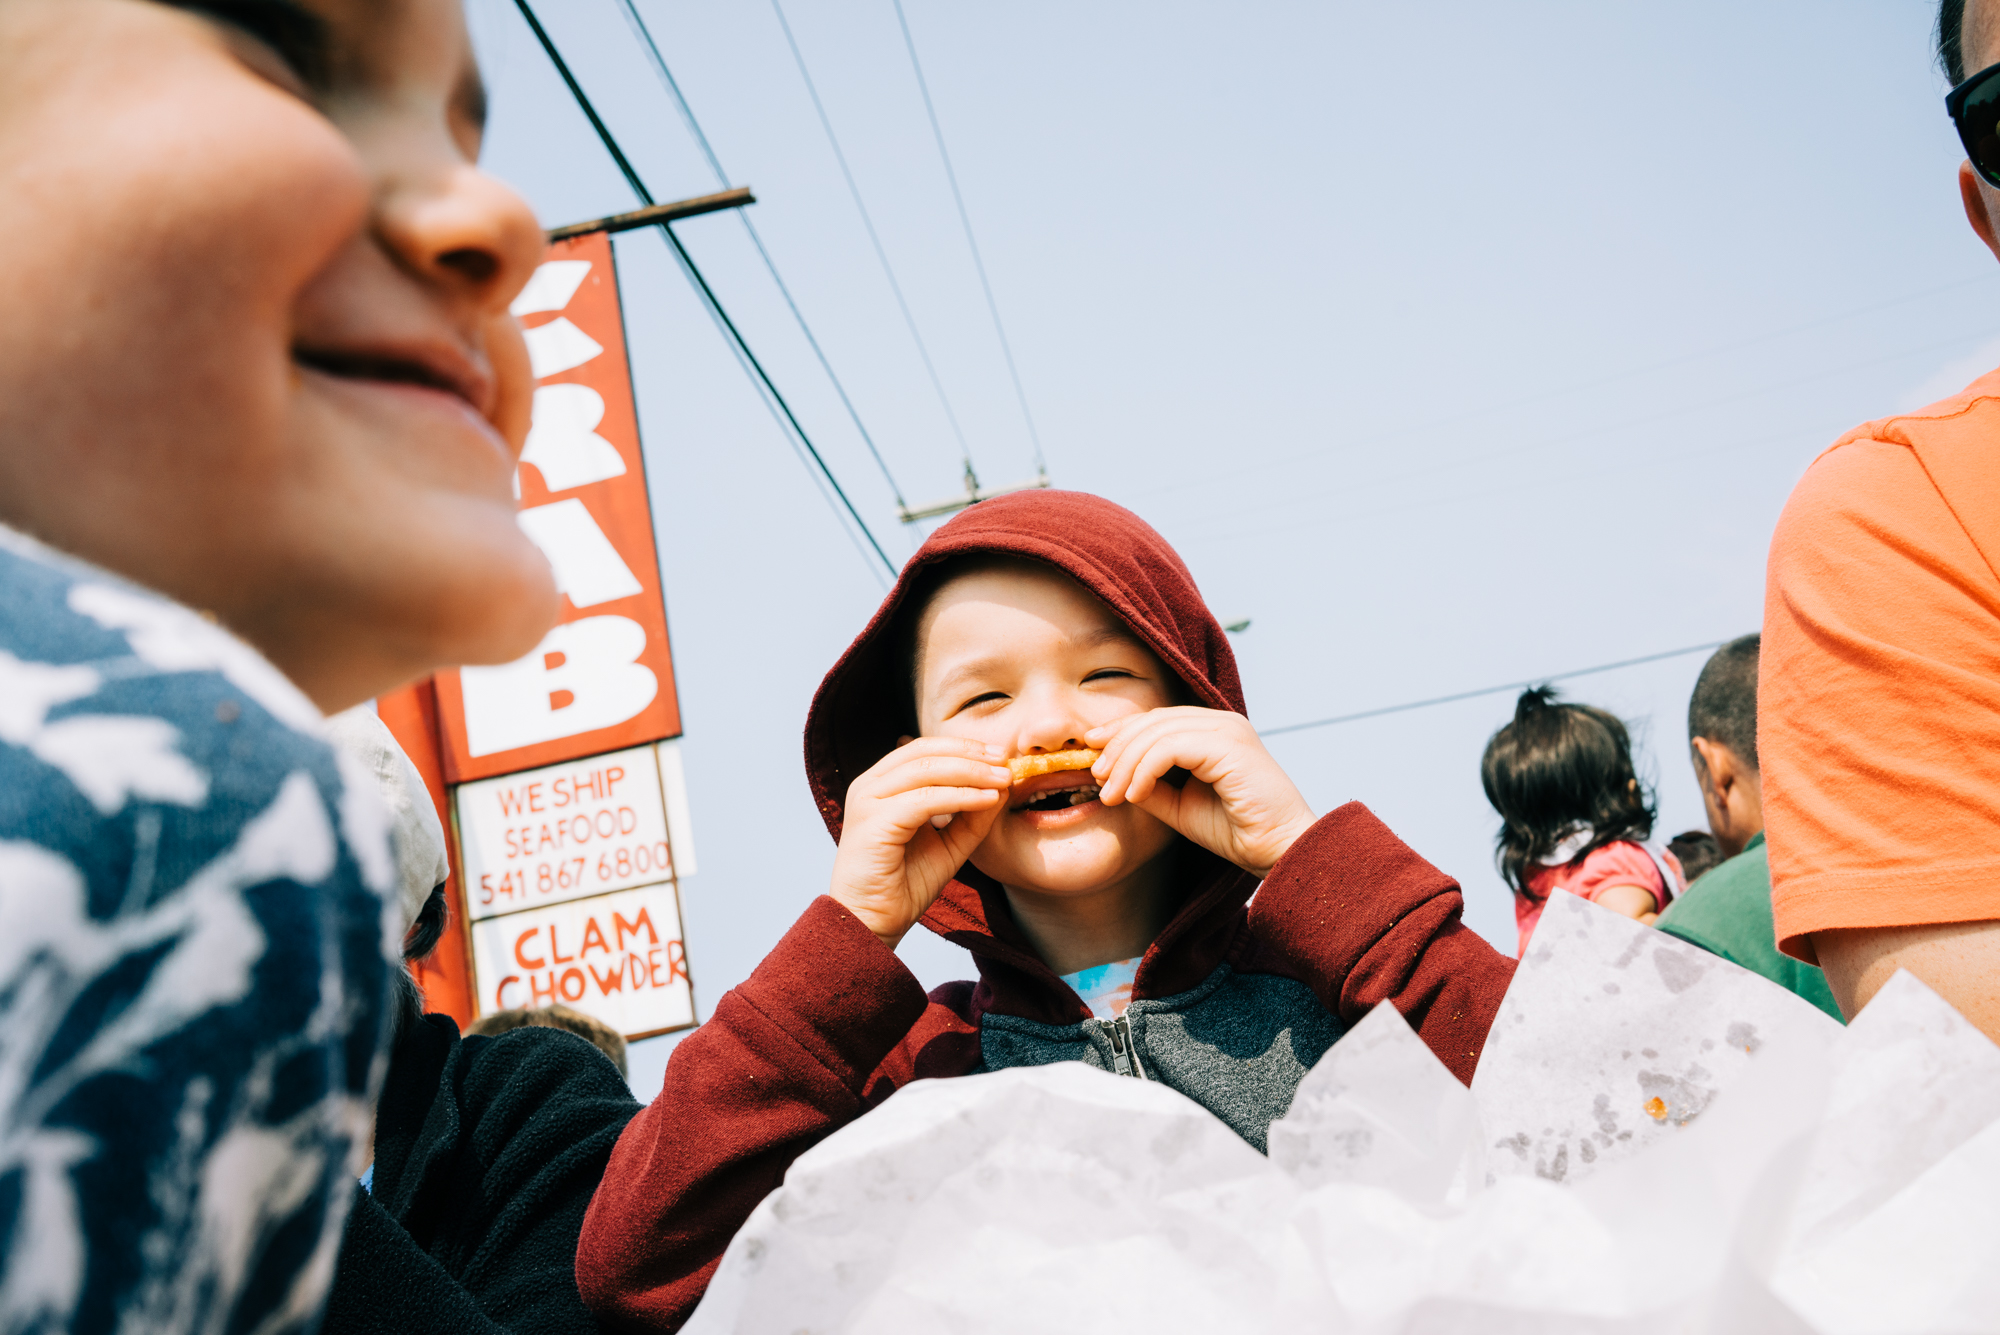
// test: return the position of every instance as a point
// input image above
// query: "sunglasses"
(1975, 109)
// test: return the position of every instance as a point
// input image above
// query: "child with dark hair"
(1698, 853)
(1573, 813)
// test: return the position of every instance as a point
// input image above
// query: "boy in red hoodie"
(1108, 908)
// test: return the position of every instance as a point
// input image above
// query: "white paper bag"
(1806, 1180)
(1040, 1199)
(1379, 1109)
(1614, 1036)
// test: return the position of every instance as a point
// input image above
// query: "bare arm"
(1960, 961)
(1634, 901)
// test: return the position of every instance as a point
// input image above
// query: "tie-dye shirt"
(194, 944)
(1105, 988)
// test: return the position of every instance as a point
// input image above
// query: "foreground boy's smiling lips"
(434, 389)
(434, 364)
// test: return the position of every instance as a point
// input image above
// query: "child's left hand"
(1239, 805)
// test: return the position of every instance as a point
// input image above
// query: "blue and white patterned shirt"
(194, 946)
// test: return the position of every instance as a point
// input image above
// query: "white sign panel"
(544, 836)
(618, 957)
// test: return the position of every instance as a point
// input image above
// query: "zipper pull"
(1124, 1051)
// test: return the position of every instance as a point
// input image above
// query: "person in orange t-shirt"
(1879, 695)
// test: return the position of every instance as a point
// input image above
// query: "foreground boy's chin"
(489, 601)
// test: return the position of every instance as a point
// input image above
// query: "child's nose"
(1067, 744)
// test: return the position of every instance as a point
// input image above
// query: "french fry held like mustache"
(1049, 762)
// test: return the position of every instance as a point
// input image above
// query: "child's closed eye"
(979, 699)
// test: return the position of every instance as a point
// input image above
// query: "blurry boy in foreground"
(258, 364)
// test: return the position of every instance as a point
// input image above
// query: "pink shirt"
(1620, 863)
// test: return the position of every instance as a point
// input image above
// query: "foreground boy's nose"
(464, 232)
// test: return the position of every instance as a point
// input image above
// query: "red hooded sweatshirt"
(1231, 1004)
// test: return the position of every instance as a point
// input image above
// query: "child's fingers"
(1122, 739)
(935, 771)
(1151, 759)
(903, 815)
(912, 748)
(1111, 736)
(964, 831)
(1139, 759)
(1115, 741)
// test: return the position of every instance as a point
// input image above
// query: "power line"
(645, 36)
(1488, 690)
(868, 222)
(1006, 348)
(701, 283)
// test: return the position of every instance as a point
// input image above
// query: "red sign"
(603, 678)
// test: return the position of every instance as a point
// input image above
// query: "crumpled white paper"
(1049, 1198)
(1649, 1027)
(1806, 1179)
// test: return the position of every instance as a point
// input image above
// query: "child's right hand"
(895, 857)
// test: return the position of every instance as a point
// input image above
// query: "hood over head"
(861, 706)
(859, 710)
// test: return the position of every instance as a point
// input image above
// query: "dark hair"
(557, 1016)
(1723, 707)
(1951, 39)
(1555, 767)
(407, 1005)
(1697, 851)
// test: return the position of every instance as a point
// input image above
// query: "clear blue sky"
(1453, 344)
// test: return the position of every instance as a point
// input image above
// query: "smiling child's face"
(1023, 657)
(257, 353)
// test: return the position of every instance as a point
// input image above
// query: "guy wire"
(1006, 348)
(637, 23)
(1489, 690)
(638, 186)
(868, 222)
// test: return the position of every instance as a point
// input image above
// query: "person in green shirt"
(1728, 911)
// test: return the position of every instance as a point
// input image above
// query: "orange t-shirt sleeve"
(1878, 730)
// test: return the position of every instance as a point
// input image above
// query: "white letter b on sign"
(581, 677)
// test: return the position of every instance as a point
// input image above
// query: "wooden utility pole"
(655, 214)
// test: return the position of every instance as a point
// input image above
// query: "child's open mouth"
(1060, 800)
(1050, 795)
